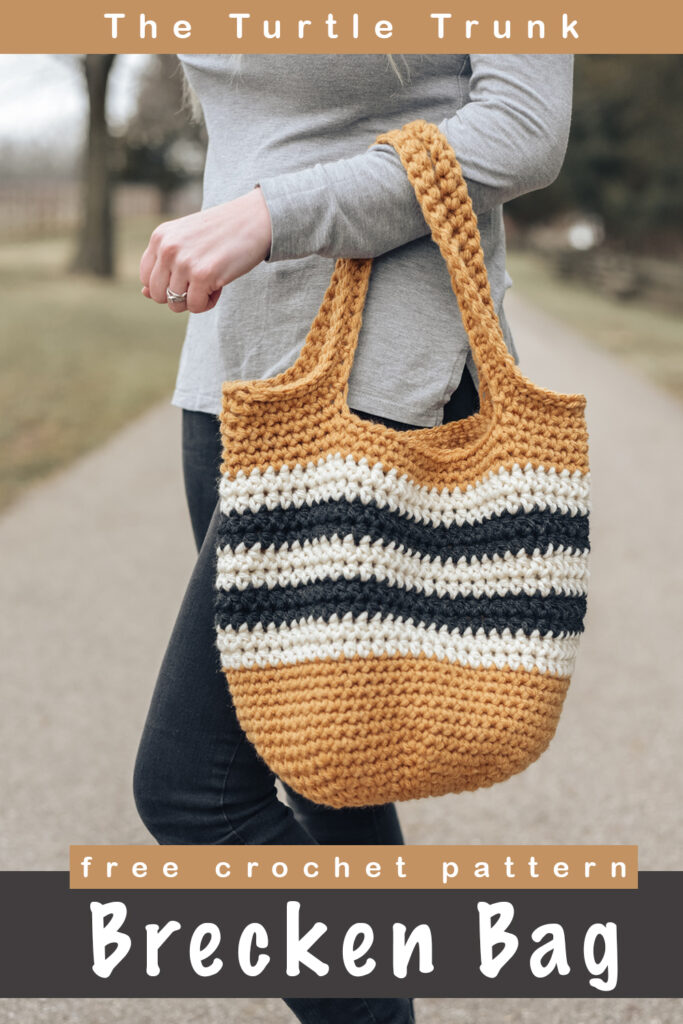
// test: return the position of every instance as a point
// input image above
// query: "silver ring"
(175, 296)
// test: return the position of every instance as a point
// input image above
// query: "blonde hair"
(191, 101)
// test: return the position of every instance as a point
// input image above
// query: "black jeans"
(197, 778)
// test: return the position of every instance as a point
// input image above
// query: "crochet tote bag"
(398, 612)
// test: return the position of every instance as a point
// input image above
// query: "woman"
(292, 182)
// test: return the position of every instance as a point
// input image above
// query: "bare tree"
(95, 251)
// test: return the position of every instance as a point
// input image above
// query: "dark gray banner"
(603, 943)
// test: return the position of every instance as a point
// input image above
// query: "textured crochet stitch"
(398, 613)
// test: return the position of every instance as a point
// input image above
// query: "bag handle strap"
(440, 188)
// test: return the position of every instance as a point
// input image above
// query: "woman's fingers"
(158, 280)
(213, 298)
(147, 261)
(202, 299)
(168, 271)
(201, 294)
(179, 285)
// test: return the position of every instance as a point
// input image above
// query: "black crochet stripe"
(512, 532)
(555, 614)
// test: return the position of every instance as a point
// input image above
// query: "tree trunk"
(166, 199)
(95, 252)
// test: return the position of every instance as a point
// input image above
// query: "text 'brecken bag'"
(398, 613)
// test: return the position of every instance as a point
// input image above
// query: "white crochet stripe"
(310, 640)
(556, 570)
(337, 476)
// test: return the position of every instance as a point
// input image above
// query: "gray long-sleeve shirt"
(300, 127)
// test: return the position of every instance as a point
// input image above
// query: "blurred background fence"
(37, 207)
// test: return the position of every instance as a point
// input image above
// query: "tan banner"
(343, 26)
(354, 867)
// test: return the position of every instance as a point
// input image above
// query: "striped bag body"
(398, 612)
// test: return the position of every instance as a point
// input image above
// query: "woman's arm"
(510, 138)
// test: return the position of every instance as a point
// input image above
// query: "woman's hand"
(203, 252)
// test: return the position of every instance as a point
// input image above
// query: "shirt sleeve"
(510, 138)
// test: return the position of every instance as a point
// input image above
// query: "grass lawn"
(640, 334)
(80, 356)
